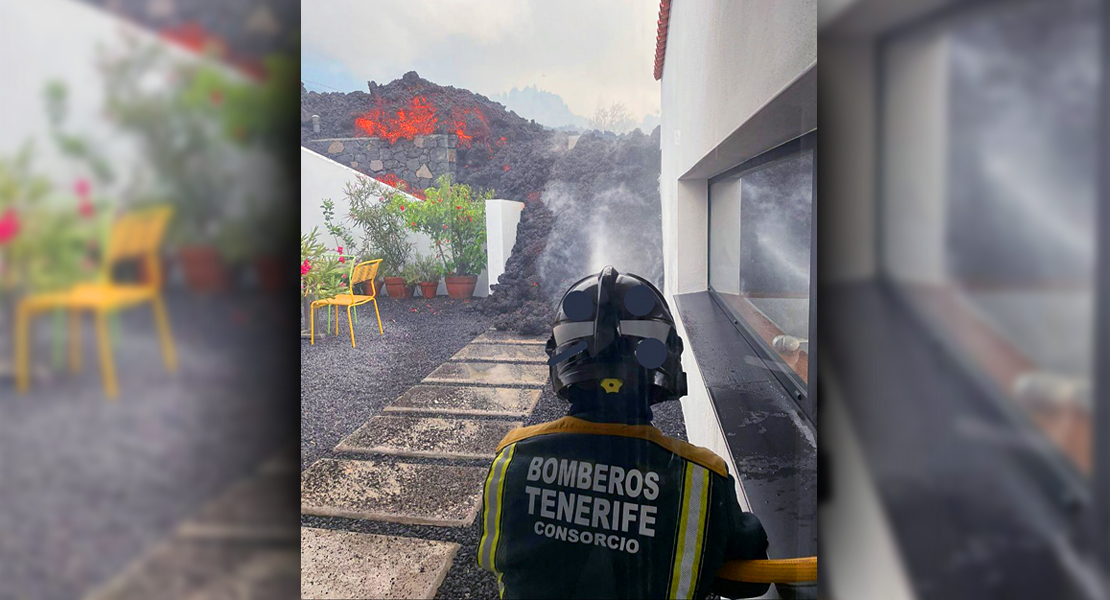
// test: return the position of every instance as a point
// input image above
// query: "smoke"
(775, 213)
(1023, 114)
(613, 227)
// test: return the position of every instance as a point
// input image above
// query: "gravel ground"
(397, 364)
(342, 387)
(87, 485)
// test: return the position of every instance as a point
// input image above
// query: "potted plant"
(409, 278)
(427, 270)
(190, 128)
(384, 230)
(455, 218)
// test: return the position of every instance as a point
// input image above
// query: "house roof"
(661, 37)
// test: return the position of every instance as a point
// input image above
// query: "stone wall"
(418, 161)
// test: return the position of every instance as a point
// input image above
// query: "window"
(988, 213)
(760, 236)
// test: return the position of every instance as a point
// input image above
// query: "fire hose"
(785, 570)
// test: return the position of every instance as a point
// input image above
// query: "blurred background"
(961, 314)
(962, 282)
(142, 457)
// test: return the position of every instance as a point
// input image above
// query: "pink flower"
(305, 267)
(402, 209)
(342, 258)
(9, 225)
(82, 188)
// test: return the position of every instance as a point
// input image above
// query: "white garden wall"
(324, 178)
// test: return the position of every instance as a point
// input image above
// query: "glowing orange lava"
(396, 182)
(470, 123)
(419, 119)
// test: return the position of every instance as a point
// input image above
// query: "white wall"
(847, 208)
(502, 218)
(724, 236)
(914, 133)
(324, 178)
(726, 60)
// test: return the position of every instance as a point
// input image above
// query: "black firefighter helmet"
(615, 334)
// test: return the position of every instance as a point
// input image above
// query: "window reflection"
(760, 222)
(989, 224)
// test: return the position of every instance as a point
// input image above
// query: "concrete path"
(421, 494)
(468, 373)
(477, 401)
(496, 375)
(434, 437)
(503, 337)
(525, 353)
(343, 564)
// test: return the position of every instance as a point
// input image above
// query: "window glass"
(759, 261)
(989, 217)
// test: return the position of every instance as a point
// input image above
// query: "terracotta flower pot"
(204, 268)
(428, 288)
(461, 286)
(373, 286)
(397, 288)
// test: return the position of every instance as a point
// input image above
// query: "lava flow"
(396, 182)
(419, 119)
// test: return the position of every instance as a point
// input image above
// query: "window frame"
(1084, 500)
(802, 392)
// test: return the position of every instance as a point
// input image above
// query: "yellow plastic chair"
(363, 271)
(134, 236)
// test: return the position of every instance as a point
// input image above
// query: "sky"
(590, 52)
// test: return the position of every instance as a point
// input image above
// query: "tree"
(616, 118)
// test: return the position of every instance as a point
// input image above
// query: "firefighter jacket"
(578, 509)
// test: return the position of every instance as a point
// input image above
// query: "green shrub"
(455, 218)
(323, 275)
(384, 230)
(427, 268)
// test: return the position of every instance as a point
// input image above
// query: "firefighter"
(600, 504)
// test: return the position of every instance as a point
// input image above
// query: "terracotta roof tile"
(661, 36)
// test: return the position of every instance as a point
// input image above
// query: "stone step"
(428, 437)
(452, 400)
(489, 373)
(344, 564)
(269, 575)
(178, 569)
(526, 353)
(504, 337)
(260, 508)
(420, 494)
